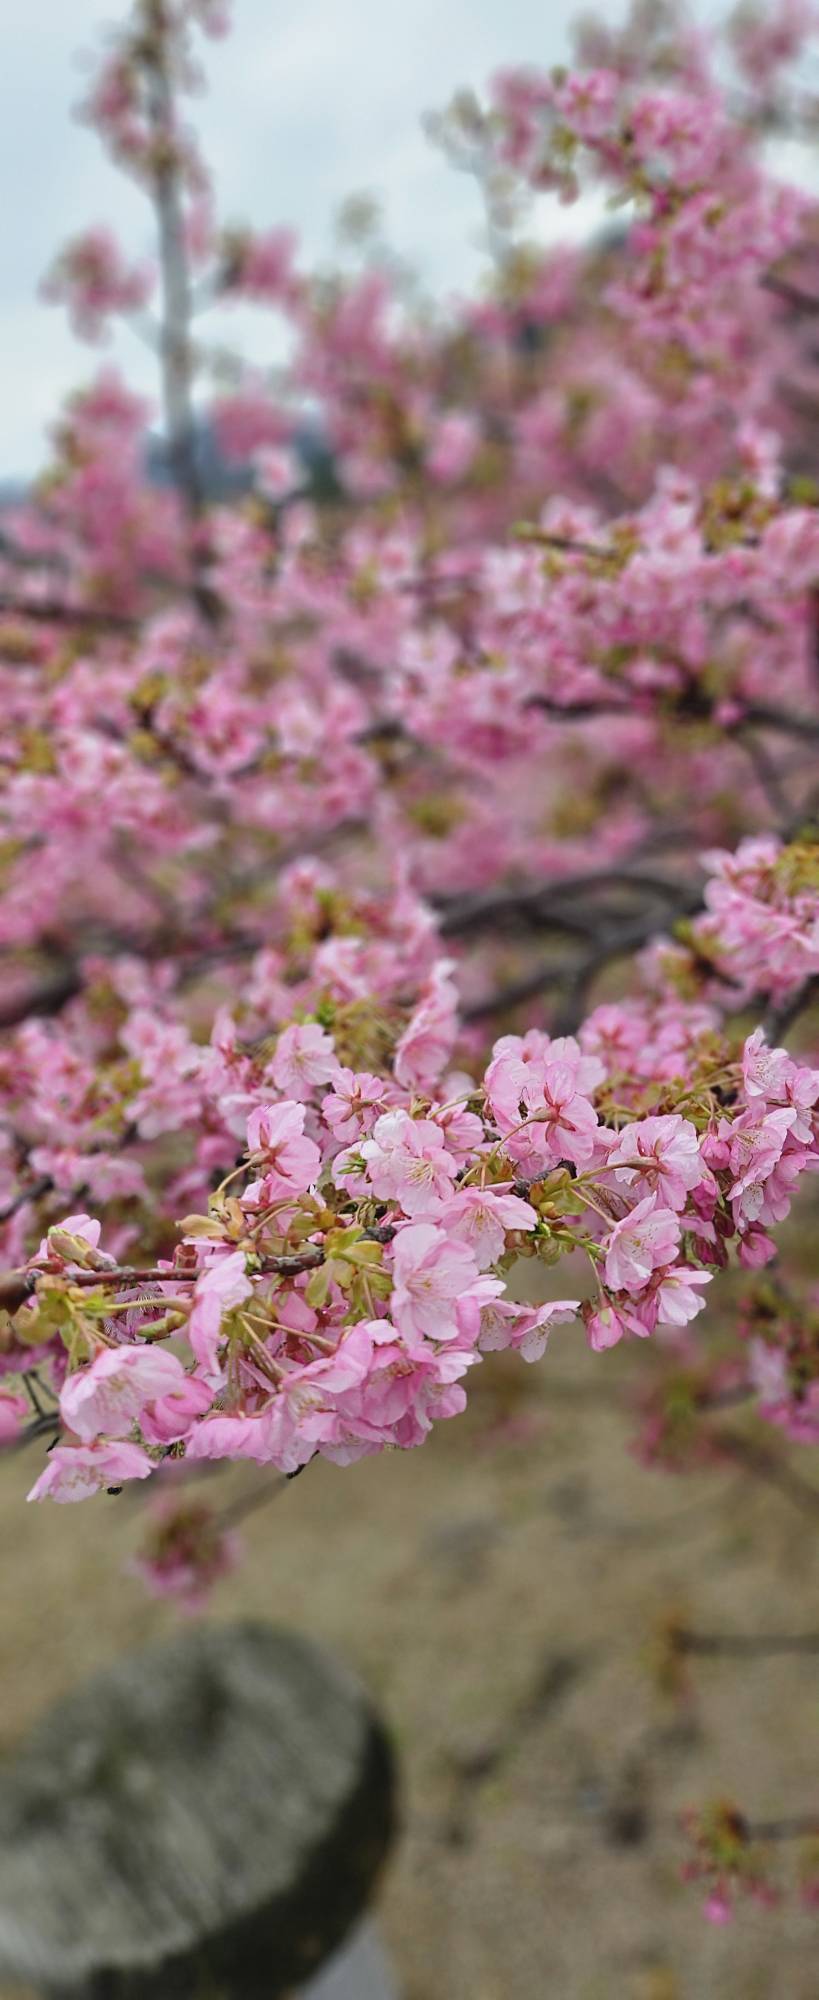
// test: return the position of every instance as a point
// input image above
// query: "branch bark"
(175, 346)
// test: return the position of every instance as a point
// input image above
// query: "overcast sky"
(308, 101)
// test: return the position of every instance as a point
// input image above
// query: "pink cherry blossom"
(108, 1397)
(772, 1076)
(304, 1058)
(503, 1324)
(429, 1037)
(756, 1143)
(244, 1435)
(223, 1285)
(275, 1133)
(453, 446)
(644, 1241)
(351, 1107)
(718, 1908)
(408, 1162)
(431, 1271)
(74, 1472)
(540, 1111)
(185, 1552)
(87, 1231)
(278, 472)
(660, 1156)
(171, 1416)
(481, 1217)
(93, 281)
(13, 1412)
(678, 1294)
(608, 1326)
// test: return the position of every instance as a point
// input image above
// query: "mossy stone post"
(204, 1821)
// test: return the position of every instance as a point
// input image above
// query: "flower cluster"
(359, 1262)
(727, 1861)
(760, 928)
(185, 1551)
(92, 280)
(488, 696)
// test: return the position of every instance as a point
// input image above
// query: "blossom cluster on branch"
(351, 1269)
(409, 814)
(409, 852)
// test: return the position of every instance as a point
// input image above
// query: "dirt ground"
(500, 1592)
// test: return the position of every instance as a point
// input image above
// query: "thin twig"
(17, 1287)
(767, 1466)
(745, 1645)
(801, 1826)
(249, 1503)
(34, 1191)
(779, 1019)
(54, 611)
(783, 721)
(768, 776)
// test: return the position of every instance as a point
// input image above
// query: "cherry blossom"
(221, 1286)
(407, 1161)
(660, 1155)
(185, 1552)
(303, 1058)
(408, 858)
(276, 1138)
(542, 1113)
(481, 1218)
(430, 1271)
(524, 1328)
(647, 1239)
(119, 1384)
(73, 1472)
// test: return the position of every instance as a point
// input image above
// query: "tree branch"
(783, 721)
(50, 998)
(540, 904)
(779, 1019)
(744, 1645)
(53, 611)
(765, 1465)
(34, 1191)
(18, 1287)
(175, 346)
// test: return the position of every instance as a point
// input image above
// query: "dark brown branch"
(31, 559)
(249, 1503)
(783, 721)
(55, 611)
(33, 1192)
(48, 1425)
(175, 343)
(18, 1287)
(786, 722)
(576, 976)
(527, 987)
(768, 775)
(194, 955)
(577, 711)
(791, 294)
(541, 904)
(49, 998)
(744, 1645)
(800, 1826)
(767, 1466)
(566, 544)
(779, 1019)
